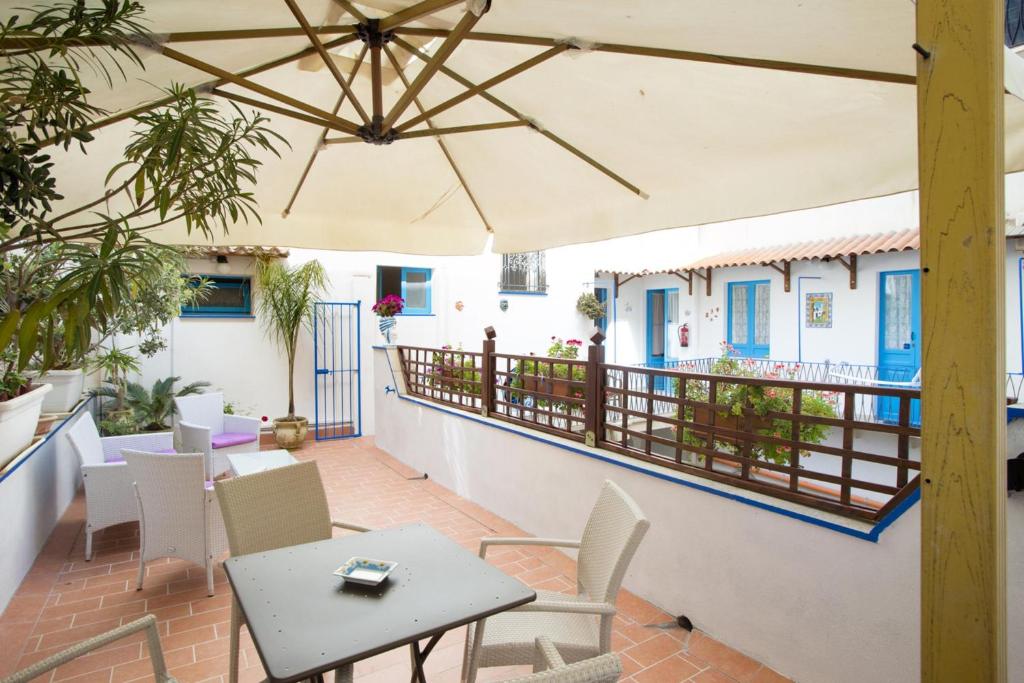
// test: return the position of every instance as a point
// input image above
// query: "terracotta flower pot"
(290, 434)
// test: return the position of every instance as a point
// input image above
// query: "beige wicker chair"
(580, 626)
(146, 623)
(549, 667)
(178, 514)
(275, 509)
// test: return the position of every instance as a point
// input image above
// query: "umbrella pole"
(963, 436)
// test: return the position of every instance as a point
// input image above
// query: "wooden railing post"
(487, 390)
(593, 397)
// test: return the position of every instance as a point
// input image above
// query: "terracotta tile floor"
(65, 599)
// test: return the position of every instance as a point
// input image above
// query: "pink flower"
(265, 418)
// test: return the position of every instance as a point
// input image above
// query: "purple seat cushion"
(231, 439)
(120, 458)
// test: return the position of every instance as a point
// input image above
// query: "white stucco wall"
(34, 493)
(236, 356)
(813, 603)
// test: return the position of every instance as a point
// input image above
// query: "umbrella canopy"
(585, 120)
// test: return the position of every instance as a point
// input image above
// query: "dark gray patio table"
(305, 620)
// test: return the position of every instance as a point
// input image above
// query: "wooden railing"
(807, 442)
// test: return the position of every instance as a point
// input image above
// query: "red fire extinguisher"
(684, 334)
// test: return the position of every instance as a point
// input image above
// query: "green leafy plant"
(590, 307)
(732, 399)
(114, 364)
(285, 304)
(58, 300)
(151, 409)
(186, 161)
(118, 426)
(454, 371)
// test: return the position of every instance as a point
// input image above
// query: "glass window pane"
(658, 324)
(416, 289)
(673, 308)
(898, 293)
(738, 310)
(762, 295)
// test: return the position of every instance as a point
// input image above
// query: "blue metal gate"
(337, 379)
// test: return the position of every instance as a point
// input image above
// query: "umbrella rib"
(417, 11)
(323, 136)
(434, 132)
(413, 50)
(353, 10)
(486, 85)
(326, 57)
(299, 116)
(440, 143)
(252, 71)
(185, 36)
(346, 125)
(427, 72)
(684, 55)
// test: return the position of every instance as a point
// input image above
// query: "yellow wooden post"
(960, 134)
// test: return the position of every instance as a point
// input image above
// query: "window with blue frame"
(412, 284)
(229, 297)
(749, 318)
(602, 295)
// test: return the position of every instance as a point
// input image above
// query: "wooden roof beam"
(851, 266)
(784, 269)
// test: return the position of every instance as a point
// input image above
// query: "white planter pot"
(18, 418)
(67, 389)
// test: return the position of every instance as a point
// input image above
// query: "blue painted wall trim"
(872, 535)
(87, 403)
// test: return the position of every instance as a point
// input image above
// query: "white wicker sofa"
(109, 496)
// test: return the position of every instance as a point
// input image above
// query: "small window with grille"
(523, 273)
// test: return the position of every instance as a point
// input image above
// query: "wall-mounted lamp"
(222, 264)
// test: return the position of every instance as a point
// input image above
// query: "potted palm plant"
(285, 304)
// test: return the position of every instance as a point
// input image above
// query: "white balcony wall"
(813, 603)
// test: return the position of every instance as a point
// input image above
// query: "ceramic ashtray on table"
(365, 571)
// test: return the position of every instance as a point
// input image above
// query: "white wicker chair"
(146, 623)
(205, 428)
(580, 626)
(178, 511)
(549, 667)
(275, 509)
(109, 498)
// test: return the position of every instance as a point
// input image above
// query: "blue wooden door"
(899, 335)
(748, 322)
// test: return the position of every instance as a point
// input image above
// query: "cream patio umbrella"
(544, 122)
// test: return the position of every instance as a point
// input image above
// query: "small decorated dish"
(365, 571)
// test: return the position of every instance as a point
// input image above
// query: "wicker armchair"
(579, 626)
(178, 511)
(549, 667)
(274, 509)
(205, 428)
(109, 498)
(146, 623)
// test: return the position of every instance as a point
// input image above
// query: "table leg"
(419, 656)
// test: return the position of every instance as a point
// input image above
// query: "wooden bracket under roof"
(851, 266)
(784, 269)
